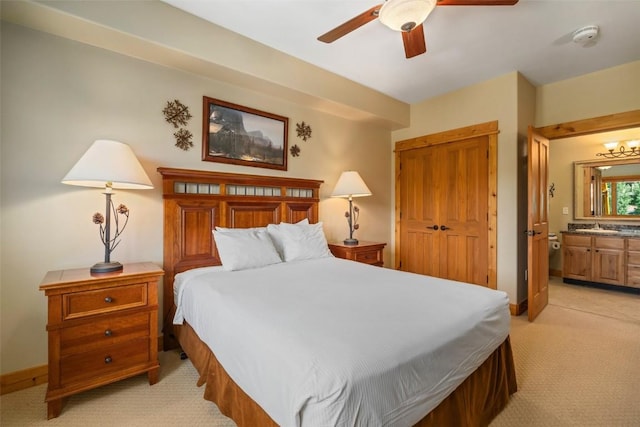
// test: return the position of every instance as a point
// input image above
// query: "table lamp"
(109, 164)
(351, 185)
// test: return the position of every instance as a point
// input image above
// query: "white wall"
(58, 96)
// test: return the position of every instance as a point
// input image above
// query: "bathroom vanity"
(608, 257)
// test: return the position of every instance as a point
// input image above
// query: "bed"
(316, 340)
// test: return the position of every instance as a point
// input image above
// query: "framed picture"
(243, 136)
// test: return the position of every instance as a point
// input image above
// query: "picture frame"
(243, 136)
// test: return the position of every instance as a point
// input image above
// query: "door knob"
(444, 227)
(435, 227)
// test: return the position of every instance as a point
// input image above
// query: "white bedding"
(330, 342)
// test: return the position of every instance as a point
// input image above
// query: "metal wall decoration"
(183, 139)
(304, 131)
(176, 113)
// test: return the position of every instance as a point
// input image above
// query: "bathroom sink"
(596, 230)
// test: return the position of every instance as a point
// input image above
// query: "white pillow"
(276, 234)
(240, 249)
(299, 241)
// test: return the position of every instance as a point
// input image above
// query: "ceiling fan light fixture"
(405, 15)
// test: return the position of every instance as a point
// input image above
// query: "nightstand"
(102, 328)
(365, 252)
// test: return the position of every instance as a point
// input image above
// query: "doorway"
(562, 205)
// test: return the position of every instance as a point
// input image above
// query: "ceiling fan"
(406, 16)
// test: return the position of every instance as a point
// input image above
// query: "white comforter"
(329, 342)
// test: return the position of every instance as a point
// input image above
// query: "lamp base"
(106, 267)
(350, 241)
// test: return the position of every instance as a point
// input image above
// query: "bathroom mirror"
(609, 189)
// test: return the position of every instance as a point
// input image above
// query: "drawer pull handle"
(108, 300)
(108, 333)
(108, 360)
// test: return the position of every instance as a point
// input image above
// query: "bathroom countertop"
(604, 232)
(620, 230)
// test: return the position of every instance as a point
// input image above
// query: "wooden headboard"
(197, 201)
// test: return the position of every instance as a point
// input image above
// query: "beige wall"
(526, 118)
(610, 91)
(60, 95)
(495, 99)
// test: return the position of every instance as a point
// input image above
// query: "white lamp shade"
(396, 13)
(611, 145)
(350, 184)
(106, 162)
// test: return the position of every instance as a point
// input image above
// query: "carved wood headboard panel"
(197, 201)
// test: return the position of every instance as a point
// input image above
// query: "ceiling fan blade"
(476, 2)
(350, 25)
(414, 43)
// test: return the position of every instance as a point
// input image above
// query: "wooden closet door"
(444, 210)
(419, 226)
(464, 211)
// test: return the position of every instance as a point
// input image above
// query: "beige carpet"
(578, 364)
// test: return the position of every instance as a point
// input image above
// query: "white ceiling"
(465, 44)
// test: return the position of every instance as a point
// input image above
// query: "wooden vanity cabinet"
(633, 263)
(599, 259)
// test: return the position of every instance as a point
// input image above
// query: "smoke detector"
(585, 34)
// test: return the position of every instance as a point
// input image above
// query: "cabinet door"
(608, 260)
(576, 262)
(608, 266)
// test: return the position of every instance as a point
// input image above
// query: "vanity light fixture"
(632, 149)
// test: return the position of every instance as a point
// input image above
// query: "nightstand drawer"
(364, 252)
(103, 333)
(88, 303)
(368, 257)
(97, 363)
